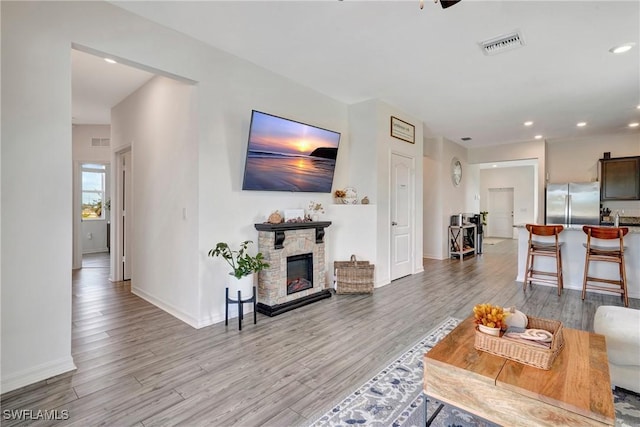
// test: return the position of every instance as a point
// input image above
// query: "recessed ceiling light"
(622, 48)
(638, 107)
(634, 125)
(538, 137)
(494, 166)
(528, 123)
(110, 61)
(581, 124)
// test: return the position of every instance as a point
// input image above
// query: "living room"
(201, 177)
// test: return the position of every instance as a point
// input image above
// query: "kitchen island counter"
(573, 255)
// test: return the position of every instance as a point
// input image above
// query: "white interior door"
(402, 216)
(500, 218)
(76, 215)
(125, 213)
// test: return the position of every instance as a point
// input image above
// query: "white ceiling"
(428, 62)
(96, 86)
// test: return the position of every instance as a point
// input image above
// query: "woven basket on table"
(537, 357)
(353, 277)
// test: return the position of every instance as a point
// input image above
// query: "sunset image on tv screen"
(284, 155)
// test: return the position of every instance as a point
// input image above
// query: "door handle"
(394, 223)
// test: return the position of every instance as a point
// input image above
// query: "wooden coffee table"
(575, 391)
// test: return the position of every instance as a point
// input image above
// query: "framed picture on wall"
(403, 130)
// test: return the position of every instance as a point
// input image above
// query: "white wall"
(472, 189)
(522, 180)
(369, 169)
(433, 198)
(576, 160)
(445, 199)
(584, 165)
(36, 173)
(36, 303)
(386, 146)
(158, 121)
(82, 149)
(361, 158)
(564, 160)
(520, 151)
(226, 212)
(348, 221)
(94, 236)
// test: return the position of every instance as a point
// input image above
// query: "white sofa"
(621, 328)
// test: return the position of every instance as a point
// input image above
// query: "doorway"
(94, 197)
(96, 86)
(91, 193)
(123, 213)
(402, 215)
(500, 206)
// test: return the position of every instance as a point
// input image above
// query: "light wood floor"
(140, 366)
(96, 260)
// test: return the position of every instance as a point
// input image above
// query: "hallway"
(96, 260)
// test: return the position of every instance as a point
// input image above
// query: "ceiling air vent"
(502, 43)
(100, 142)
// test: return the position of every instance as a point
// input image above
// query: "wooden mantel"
(279, 230)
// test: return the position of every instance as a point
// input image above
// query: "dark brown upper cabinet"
(620, 178)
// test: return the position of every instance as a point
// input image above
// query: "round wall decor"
(456, 171)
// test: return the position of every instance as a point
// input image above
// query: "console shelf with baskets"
(462, 240)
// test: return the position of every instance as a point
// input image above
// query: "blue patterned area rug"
(394, 397)
(389, 398)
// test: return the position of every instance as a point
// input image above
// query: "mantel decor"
(403, 130)
(279, 230)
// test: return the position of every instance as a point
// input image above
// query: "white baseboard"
(211, 320)
(233, 314)
(95, 251)
(382, 281)
(186, 318)
(174, 311)
(436, 257)
(37, 373)
(380, 284)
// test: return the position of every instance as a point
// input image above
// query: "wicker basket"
(521, 352)
(354, 277)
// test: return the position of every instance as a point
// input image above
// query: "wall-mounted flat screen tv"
(285, 155)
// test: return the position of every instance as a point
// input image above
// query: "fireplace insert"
(299, 273)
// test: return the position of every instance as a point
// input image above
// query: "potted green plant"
(483, 215)
(241, 262)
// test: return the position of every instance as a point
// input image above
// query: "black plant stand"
(240, 303)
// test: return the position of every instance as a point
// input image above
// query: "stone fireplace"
(297, 272)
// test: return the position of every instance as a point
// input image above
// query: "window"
(93, 190)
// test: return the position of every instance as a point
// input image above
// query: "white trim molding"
(36, 373)
(174, 311)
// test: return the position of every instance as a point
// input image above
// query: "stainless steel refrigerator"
(573, 203)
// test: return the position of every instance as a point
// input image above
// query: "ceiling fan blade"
(447, 3)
